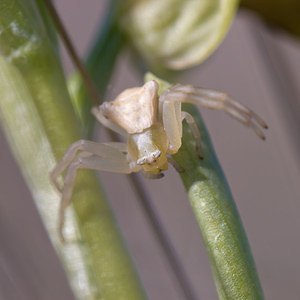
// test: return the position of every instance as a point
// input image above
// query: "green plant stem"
(39, 123)
(99, 63)
(226, 243)
(72, 52)
(227, 246)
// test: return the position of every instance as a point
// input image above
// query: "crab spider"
(152, 126)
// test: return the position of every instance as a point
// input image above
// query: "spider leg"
(87, 160)
(148, 175)
(109, 151)
(107, 123)
(195, 131)
(172, 117)
(122, 147)
(214, 100)
(175, 164)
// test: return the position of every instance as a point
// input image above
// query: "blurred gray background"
(256, 65)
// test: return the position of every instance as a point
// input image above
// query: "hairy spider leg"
(214, 100)
(195, 131)
(112, 151)
(102, 157)
(175, 164)
(171, 116)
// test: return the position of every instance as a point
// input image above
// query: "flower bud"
(174, 33)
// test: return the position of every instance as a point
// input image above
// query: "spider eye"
(141, 161)
(156, 154)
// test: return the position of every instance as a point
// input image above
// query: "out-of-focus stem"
(88, 83)
(99, 63)
(39, 123)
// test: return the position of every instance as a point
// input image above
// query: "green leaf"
(226, 243)
(176, 34)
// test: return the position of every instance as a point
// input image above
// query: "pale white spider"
(152, 126)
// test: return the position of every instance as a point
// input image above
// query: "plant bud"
(175, 34)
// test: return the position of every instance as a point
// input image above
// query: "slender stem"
(163, 239)
(99, 63)
(71, 50)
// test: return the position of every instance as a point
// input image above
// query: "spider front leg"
(214, 100)
(103, 157)
(107, 123)
(112, 151)
(171, 116)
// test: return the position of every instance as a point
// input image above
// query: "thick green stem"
(39, 123)
(221, 227)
